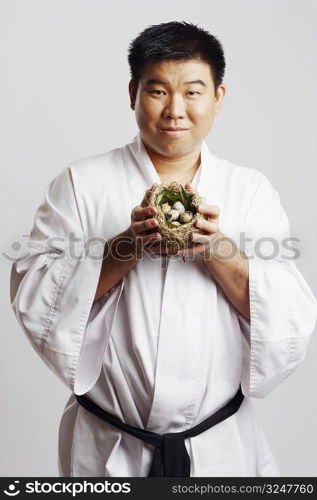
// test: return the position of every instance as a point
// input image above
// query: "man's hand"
(209, 230)
(142, 230)
(122, 252)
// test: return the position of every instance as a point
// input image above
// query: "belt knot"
(171, 458)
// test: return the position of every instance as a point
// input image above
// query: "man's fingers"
(208, 226)
(144, 225)
(212, 211)
(200, 238)
(148, 238)
(190, 187)
(147, 195)
(198, 248)
(141, 213)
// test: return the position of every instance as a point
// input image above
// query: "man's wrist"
(121, 250)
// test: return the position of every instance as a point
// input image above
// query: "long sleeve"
(53, 287)
(282, 306)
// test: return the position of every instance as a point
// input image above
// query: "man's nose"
(174, 107)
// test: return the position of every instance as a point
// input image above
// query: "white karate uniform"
(164, 348)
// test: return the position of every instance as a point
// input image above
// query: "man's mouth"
(171, 131)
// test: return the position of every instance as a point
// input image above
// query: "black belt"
(170, 456)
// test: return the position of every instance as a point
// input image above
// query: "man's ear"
(221, 91)
(133, 93)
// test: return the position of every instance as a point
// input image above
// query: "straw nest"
(175, 230)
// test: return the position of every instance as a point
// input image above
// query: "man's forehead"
(192, 70)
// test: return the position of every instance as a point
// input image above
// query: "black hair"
(176, 40)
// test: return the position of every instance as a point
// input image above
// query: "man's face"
(175, 94)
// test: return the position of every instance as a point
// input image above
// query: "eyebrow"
(152, 81)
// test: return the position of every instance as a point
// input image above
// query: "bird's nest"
(176, 230)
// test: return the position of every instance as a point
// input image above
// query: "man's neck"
(181, 169)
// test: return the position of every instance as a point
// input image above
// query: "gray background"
(64, 95)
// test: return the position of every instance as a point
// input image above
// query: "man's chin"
(171, 148)
(175, 150)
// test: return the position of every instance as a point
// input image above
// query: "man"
(153, 345)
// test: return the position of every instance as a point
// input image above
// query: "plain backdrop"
(64, 95)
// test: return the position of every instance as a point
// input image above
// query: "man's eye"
(162, 92)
